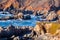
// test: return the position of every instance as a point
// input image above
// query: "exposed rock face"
(47, 37)
(20, 15)
(51, 16)
(47, 26)
(31, 4)
(3, 1)
(38, 28)
(29, 33)
(58, 13)
(1, 29)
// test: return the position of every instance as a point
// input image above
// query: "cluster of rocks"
(39, 32)
(52, 16)
(49, 16)
(47, 37)
(16, 33)
(20, 15)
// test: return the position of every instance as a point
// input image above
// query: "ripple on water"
(13, 22)
(18, 23)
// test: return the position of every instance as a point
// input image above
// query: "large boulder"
(51, 16)
(20, 15)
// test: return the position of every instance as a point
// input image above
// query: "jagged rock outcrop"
(30, 4)
(51, 16)
(39, 28)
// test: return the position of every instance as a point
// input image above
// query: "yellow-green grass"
(54, 27)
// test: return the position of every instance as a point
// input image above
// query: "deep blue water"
(19, 22)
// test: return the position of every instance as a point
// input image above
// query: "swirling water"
(19, 22)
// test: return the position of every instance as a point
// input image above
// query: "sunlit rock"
(31, 28)
(30, 4)
(20, 15)
(47, 26)
(51, 16)
(58, 13)
(1, 29)
(42, 37)
(44, 12)
(3, 1)
(16, 38)
(38, 28)
(57, 34)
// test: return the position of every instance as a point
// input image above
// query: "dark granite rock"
(26, 17)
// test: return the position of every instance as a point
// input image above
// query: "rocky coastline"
(28, 33)
(48, 19)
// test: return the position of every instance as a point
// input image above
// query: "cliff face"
(30, 4)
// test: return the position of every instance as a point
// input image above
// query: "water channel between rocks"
(19, 22)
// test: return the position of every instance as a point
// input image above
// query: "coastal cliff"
(30, 4)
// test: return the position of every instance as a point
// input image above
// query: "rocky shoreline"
(48, 16)
(40, 32)
(27, 33)
(23, 9)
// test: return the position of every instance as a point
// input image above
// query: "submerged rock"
(5, 18)
(27, 17)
